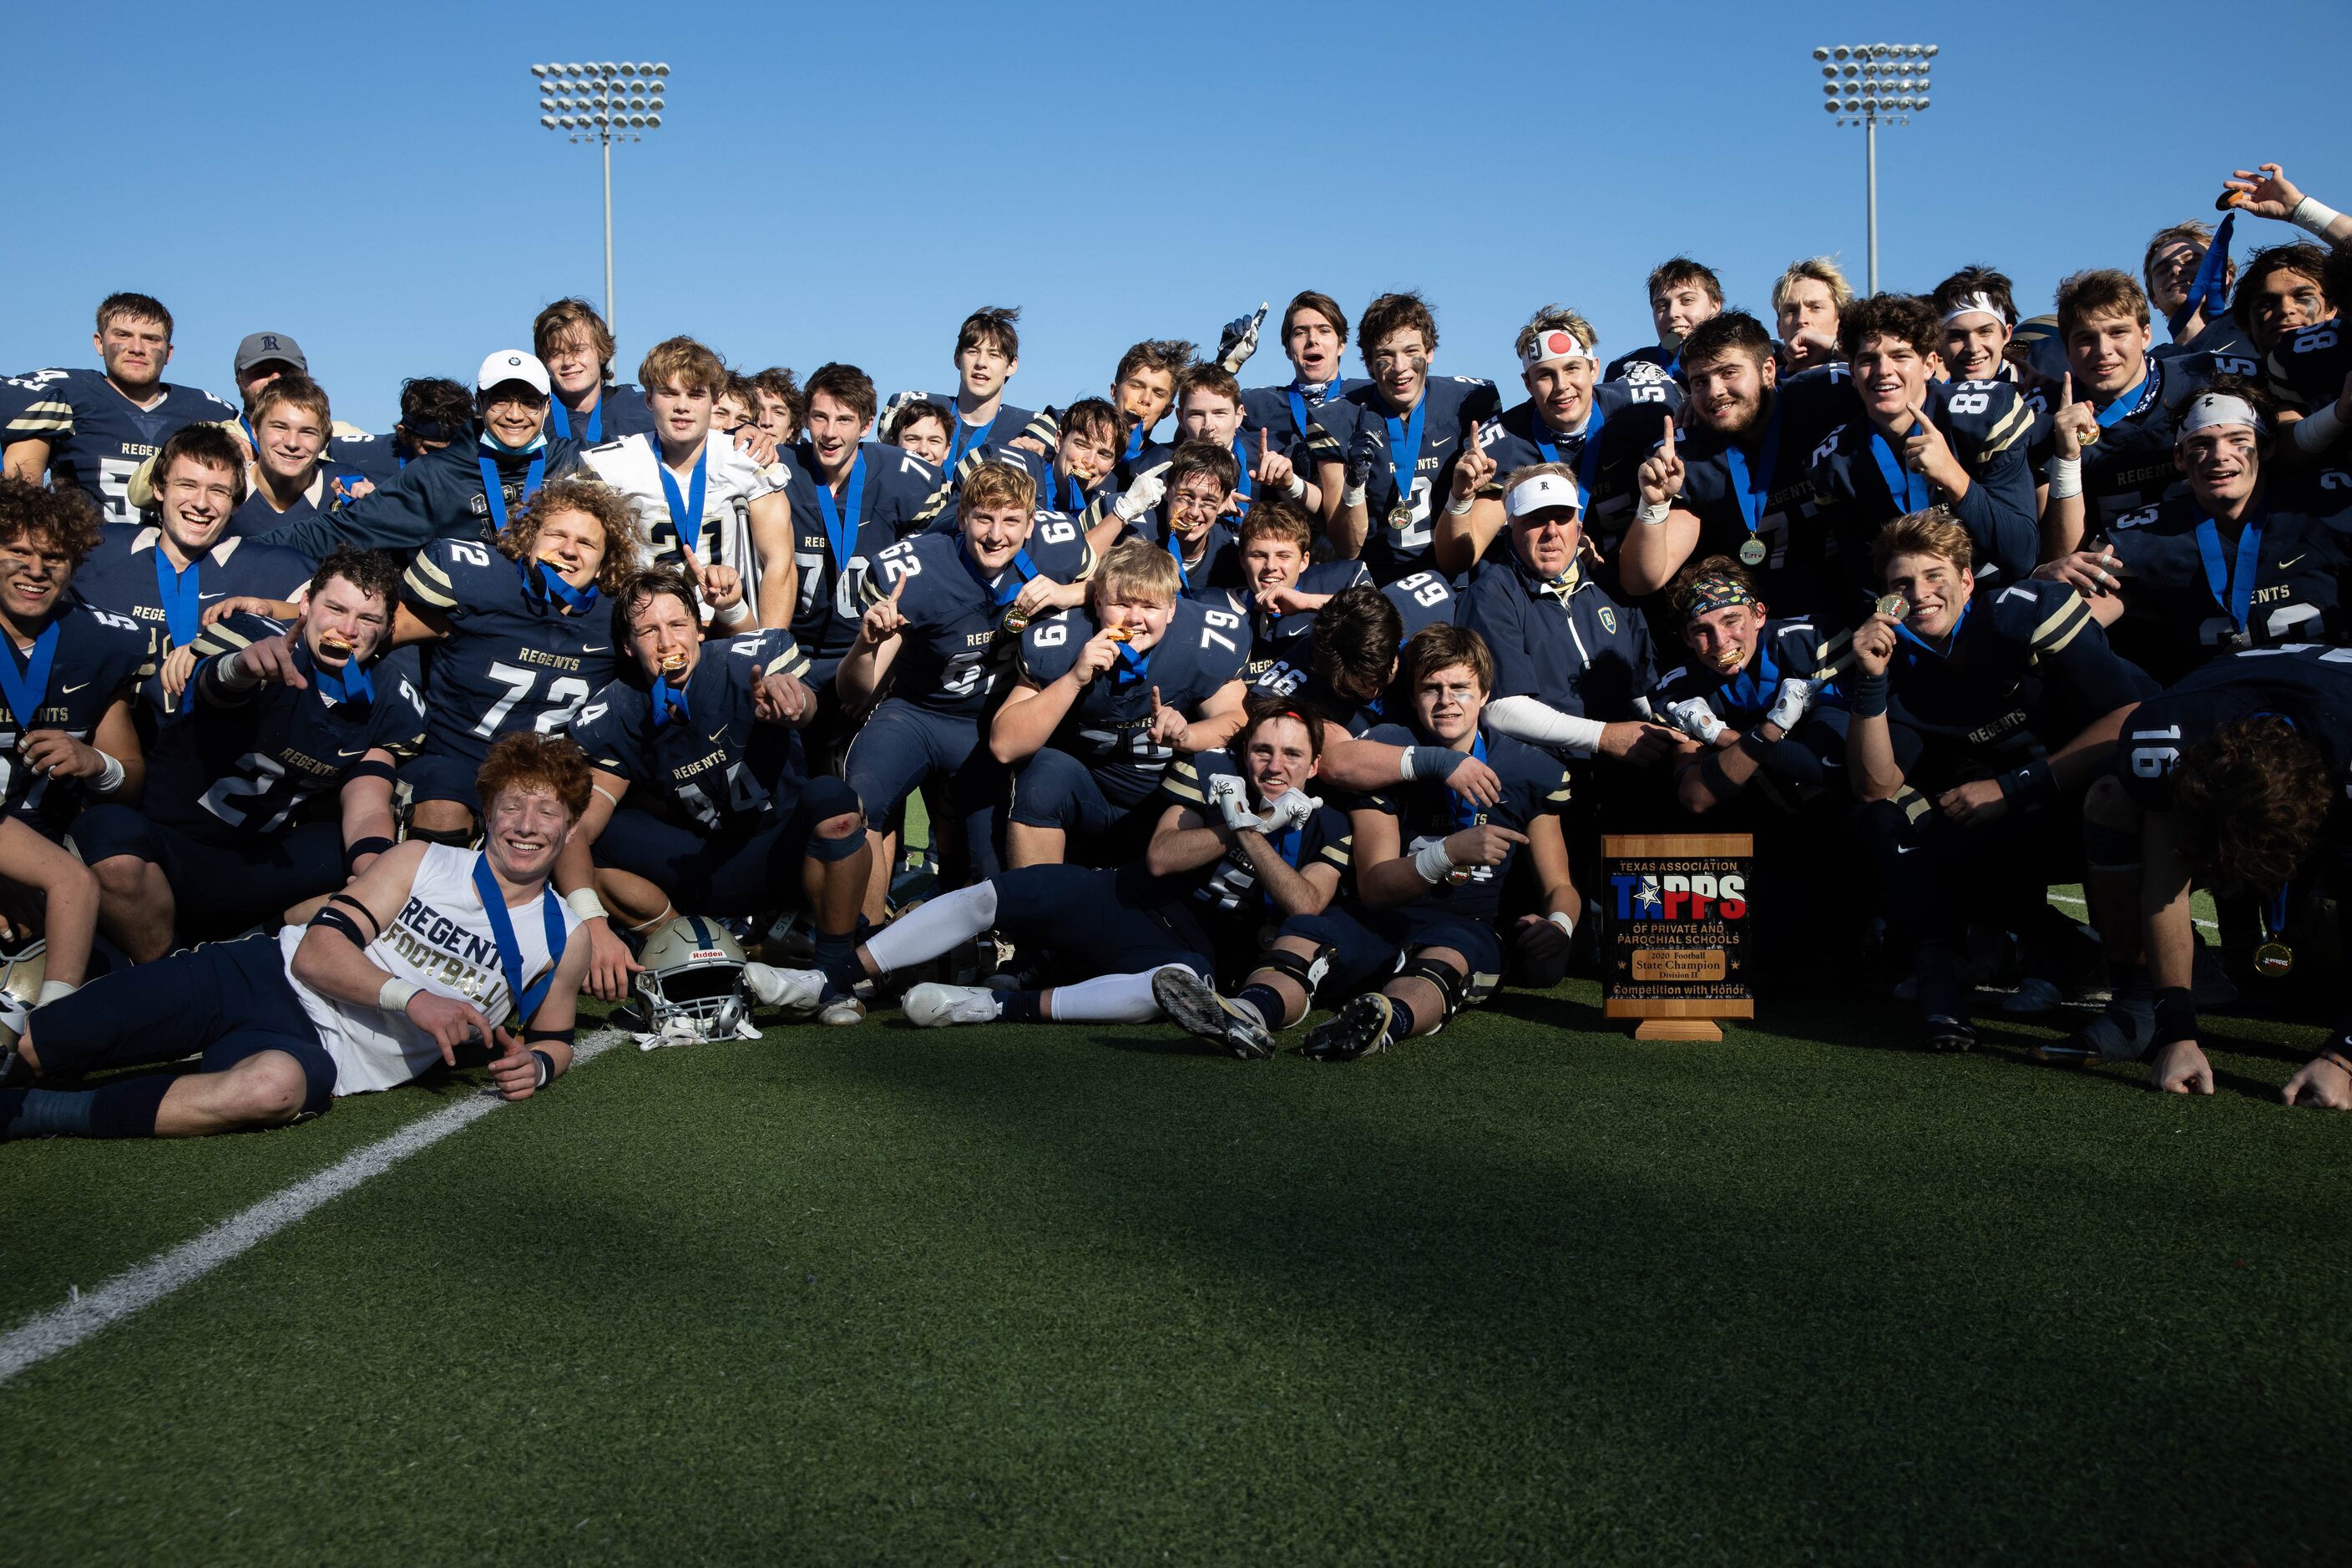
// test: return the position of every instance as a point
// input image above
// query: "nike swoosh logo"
(605, 649)
(74, 687)
(222, 595)
(361, 752)
(2285, 564)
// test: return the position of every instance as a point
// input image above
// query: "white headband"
(1551, 343)
(1533, 495)
(1974, 304)
(2219, 408)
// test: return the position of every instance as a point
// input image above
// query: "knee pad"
(1307, 972)
(821, 800)
(452, 837)
(2109, 848)
(1449, 981)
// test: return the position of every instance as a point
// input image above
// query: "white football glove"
(1229, 795)
(1139, 498)
(1796, 699)
(1239, 339)
(1694, 718)
(1293, 808)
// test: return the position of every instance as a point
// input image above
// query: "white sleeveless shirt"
(441, 941)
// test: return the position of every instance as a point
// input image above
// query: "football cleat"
(797, 991)
(1944, 1033)
(1358, 1029)
(1197, 1008)
(931, 1006)
(2123, 1033)
(840, 1009)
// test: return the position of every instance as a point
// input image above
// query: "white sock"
(934, 928)
(1107, 999)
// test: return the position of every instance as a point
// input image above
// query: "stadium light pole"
(1864, 83)
(602, 103)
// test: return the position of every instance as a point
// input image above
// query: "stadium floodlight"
(602, 101)
(1874, 82)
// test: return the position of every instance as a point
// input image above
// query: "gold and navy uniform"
(121, 575)
(97, 657)
(98, 437)
(1452, 407)
(1624, 426)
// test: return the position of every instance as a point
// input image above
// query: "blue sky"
(847, 184)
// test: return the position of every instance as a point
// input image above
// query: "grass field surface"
(1529, 1290)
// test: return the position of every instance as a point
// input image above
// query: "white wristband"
(2319, 430)
(395, 996)
(1459, 506)
(1432, 862)
(734, 615)
(1653, 514)
(1352, 497)
(1566, 926)
(2065, 477)
(53, 989)
(584, 903)
(1298, 486)
(2313, 216)
(109, 777)
(231, 672)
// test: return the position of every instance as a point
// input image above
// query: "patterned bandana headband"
(1551, 343)
(1709, 595)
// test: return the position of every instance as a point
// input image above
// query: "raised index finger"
(2066, 390)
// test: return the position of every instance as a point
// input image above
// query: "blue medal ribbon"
(1134, 665)
(2124, 407)
(1588, 457)
(686, 510)
(1023, 569)
(596, 419)
(525, 999)
(351, 683)
(1403, 437)
(1241, 457)
(2209, 291)
(841, 522)
(28, 685)
(1752, 491)
(1466, 812)
(494, 488)
(1951, 640)
(1900, 481)
(183, 618)
(1176, 549)
(1299, 391)
(957, 445)
(547, 584)
(670, 703)
(1754, 691)
(1135, 442)
(2233, 591)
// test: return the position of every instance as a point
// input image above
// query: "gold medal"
(1400, 517)
(1892, 606)
(1753, 552)
(2273, 960)
(1016, 622)
(1116, 634)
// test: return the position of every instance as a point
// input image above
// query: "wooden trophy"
(1674, 921)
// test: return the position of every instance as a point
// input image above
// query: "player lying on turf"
(430, 953)
(728, 821)
(1430, 870)
(1234, 849)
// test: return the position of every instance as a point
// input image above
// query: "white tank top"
(442, 942)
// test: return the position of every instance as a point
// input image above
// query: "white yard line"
(2062, 898)
(61, 1328)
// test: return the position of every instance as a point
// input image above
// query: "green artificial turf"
(1532, 1290)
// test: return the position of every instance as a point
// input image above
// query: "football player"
(575, 345)
(261, 358)
(1922, 441)
(1143, 389)
(467, 489)
(920, 429)
(2232, 779)
(2310, 374)
(166, 575)
(2246, 558)
(1209, 408)
(1388, 447)
(1283, 587)
(1314, 337)
(434, 412)
(1567, 417)
(1078, 476)
(695, 493)
(942, 615)
(987, 356)
(291, 425)
(2188, 273)
(1806, 302)
(1742, 483)
(2017, 699)
(431, 951)
(1203, 489)
(1109, 695)
(1234, 847)
(2283, 292)
(1348, 659)
(1430, 870)
(93, 427)
(522, 641)
(1682, 295)
(783, 408)
(729, 822)
(275, 784)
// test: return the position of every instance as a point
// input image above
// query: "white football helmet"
(693, 980)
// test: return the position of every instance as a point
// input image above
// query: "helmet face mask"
(693, 981)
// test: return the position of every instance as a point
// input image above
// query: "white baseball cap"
(512, 365)
(1539, 492)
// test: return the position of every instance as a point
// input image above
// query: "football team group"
(333, 757)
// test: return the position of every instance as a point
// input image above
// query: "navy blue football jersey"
(1455, 407)
(97, 657)
(1276, 636)
(2131, 466)
(514, 659)
(1789, 649)
(376, 459)
(1624, 426)
(969, 444)
(1422, 599)
(953, 653)
(1535, 784)
(1774, 461)
(1107, 728)
(1574, 647)
(241, 765)
(1058, 491)
(716, 767)
(2186, 590)
(2026, 669)
(1860, 485)
(897, 495)
(441, 495)
(98, 437)
(121, 575)
(1286, 412)
(2307, 370)
(256, 517)
(2308, 684)
(621, 410)
(1226, 894)
(1651, 361)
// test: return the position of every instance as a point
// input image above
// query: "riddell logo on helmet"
(708, 952)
